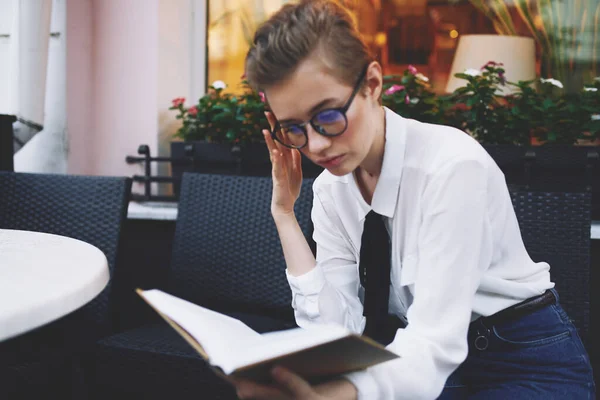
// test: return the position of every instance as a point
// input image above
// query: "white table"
(44, 277)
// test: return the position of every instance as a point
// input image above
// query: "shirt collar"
(385, 197)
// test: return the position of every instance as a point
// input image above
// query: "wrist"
(282, 216)
(338, 389)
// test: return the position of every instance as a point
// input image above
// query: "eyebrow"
(319, 106)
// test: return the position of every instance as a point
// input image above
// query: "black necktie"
(374, 270)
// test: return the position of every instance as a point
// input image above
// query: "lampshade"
(517, 53)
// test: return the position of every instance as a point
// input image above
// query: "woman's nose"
(316, 142)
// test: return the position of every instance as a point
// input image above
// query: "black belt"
(521, 309)
(512, 313)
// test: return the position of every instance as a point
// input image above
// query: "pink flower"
(262, 97)
(193, 111)
(393, 89)
(407, 99)
(178, 101)
(412, 69)
(492, 64)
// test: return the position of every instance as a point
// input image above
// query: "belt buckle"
(482, 341)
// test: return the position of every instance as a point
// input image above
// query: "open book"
(234, 349)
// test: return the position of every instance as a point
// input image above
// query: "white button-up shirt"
(457, 254)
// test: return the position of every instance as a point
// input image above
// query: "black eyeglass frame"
(343, 110)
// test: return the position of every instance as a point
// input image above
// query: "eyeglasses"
(328, 122)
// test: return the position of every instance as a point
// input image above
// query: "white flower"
(597, 79)
(472, 72)
(422, 77)
(414, 100)
(590, 89)
(219, 85)
(553, 82)
(595, 117)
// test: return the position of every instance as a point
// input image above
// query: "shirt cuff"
(365, 384)
(307, 284)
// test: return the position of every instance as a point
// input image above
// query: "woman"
(482, 319)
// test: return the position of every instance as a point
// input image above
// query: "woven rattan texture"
(227, 256)
(44, 363)
(556, 229)
(154, 362)
(91, 209)
(226, 252)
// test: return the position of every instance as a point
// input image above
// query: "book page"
(316, 352)
(223, 338)
(275, 344)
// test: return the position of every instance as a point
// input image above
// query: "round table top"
(44, 277)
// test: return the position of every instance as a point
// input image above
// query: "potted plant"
(219, 131)
(222, 133)
(536, 134)
(411, 96)
(539, 135)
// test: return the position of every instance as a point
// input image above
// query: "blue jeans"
(539, 356)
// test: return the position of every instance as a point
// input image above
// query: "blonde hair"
(295, 32)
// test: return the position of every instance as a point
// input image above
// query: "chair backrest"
(226, 251)
(555, 227)
(91, 209)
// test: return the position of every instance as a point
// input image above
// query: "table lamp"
(517, 53)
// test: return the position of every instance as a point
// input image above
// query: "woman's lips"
(331, 161)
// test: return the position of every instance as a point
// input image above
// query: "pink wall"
(79, 86)
(124, 91)
(112, 83)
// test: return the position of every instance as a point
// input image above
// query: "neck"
(372, 164)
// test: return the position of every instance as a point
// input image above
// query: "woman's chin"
(341, 170)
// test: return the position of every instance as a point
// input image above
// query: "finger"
(271, 119)
(285, 151)
(297, 387)
(268, 140)
(278, 162)
(276, 144)
(275, 148)
(297, 161)
(251, 390)
(285, 139)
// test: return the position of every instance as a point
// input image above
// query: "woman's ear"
(374, 80)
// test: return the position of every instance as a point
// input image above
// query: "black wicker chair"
(46, 363)
(555, 227)
(226, 256)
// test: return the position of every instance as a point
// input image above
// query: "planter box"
(215, 158)
(558, 168)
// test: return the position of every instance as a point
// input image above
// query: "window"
(425, 33)
(230, 29)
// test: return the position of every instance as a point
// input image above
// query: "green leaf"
(464, 76)
(471, 101)
(547, 104)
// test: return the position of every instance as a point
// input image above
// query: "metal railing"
(147, 179)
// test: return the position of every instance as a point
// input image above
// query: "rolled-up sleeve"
(329, 292)
(454, 249)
